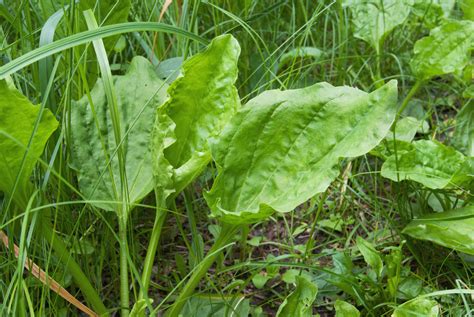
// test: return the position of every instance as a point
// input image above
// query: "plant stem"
(414, 89)
(379, 82)
(124, 289)
(151, 251)
(73, 268)
(225, 236)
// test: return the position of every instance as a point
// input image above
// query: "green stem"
(225, 236)
(410, 95)
(151, 251)
(243, 242)
(73, 268)
(379, 82)
(124, 293)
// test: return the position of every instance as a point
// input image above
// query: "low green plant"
(141, 125)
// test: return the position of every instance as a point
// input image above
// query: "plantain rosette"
(283, 147)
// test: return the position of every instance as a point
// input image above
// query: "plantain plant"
(135, 133)
(282, 148)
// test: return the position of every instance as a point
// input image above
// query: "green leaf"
(432, 12)
(374, 19)
(464, 133)
(387, 147)
(216, 306)
(344, 309)
(405, 129)
(93, 147)
(451, 229)
(446, 50)
(259, 280)
(169, 69)
(300, 302)
(201, 102)
(416, 308)
(24, 131)
(467, 7)
(284, 147)
(431, 164)
(409, 288)
(371, 255)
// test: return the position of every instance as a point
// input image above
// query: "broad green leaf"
(289, 277)
(431, 164)
(387, 147)
(344, 309)
(216, 306)
(169, 69)
(467, 7)
(464, 133)
(93, 148)
(405, 129)
(446, 50)
(201, 102)
(283, 147)
(371, 256)
(417, 307)
(374, 19)
(409, 288)
(399, 142)
(433, 12)
(451, 229)
(300, 302)
(24, 131)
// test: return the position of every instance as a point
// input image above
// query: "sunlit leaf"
(93, 147)
(374, 19)
(405, 129)
(467, 7)
(451, 229)
(431, 164)
(418, 307)
(300, 302)
(446, 50)
(201, 102)
(24, 131)
(283, 147)
(433, 12)
(344, 309)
